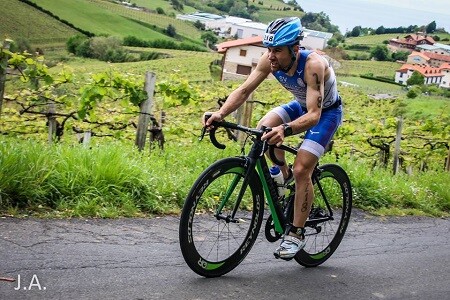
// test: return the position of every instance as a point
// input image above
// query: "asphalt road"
(379, 258)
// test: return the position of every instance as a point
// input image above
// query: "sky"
(390, 13)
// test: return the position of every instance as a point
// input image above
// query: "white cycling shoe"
(289, 247)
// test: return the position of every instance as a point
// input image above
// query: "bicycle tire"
(321, 245)
(210, 246)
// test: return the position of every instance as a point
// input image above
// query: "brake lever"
(202, 135)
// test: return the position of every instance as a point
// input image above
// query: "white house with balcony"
(432, 75)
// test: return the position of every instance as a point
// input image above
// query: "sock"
(299, 231)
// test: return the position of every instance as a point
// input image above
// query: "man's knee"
(304, 165)
(271, 119)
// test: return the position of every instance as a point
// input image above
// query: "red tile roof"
(415, 53)
(426, 71)
(436, 56)
(255, 40)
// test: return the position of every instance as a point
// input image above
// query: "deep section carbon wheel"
(326, 224)
(220, 220)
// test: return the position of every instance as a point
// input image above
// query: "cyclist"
(316, 110)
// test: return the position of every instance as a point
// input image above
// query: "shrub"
(74, 42)
(133, 41)
(411, 94)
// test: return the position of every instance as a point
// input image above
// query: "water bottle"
(277, 176)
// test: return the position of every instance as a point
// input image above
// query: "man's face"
(279, 57)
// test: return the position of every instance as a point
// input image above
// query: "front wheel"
(326, 224)
(213, 241)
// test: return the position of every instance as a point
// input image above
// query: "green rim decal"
(321, 254)
(213, 266)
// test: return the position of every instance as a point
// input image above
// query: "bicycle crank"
(269, 230)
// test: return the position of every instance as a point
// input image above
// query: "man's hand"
(275, 136)
(209, 117)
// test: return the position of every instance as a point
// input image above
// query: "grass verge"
(115, 180)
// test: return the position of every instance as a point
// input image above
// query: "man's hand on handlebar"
(275, 136)
(209, 117)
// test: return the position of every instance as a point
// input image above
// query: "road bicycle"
(224, 210)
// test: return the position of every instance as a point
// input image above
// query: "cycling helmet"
(283, 32)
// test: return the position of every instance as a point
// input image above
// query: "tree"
(415, 79)
(380, 30)
(400, 55)
(199, 25)
(356, 31)
(332, 43)
(160, 11)
(431, 27)
(171, 31)
(209, 38)
(177, 5)
(380, 52)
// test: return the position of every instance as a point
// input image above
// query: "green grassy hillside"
(101, 18)
(20, 20)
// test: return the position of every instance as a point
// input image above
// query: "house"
(240, 57)
(418, 58)
(445, 70)
(200, 16)
(247, 29)
(313, 39)
(429, 58)
(221, 25)
(437, 48)
(433, 75)
(411, 41)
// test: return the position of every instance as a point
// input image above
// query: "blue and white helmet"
(283, 32)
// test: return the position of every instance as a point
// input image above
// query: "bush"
(411, 94)
(133, 41)
(84, 49)
(170, 31)
(74, 42)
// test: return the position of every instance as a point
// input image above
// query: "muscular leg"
(304, 193)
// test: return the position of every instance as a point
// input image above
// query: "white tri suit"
(317, 137)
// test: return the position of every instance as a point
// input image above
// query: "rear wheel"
(326, 226)
(212, 242)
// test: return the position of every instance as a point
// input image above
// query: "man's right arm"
(239, 95)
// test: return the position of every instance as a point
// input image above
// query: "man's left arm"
(315, 78)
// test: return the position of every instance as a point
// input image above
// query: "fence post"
(3, 62)
(398, 138)
(145, 110)
(244, 117)
(87, 138)
(447, 163)
(51, 121)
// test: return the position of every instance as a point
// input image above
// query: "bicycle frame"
(256, 161)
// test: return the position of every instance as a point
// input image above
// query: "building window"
(243, 70)
(243, 52)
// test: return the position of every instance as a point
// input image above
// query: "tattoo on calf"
(305, 202)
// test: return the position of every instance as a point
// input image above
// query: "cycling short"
(317, 137)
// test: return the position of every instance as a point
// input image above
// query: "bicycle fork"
(250, 168)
